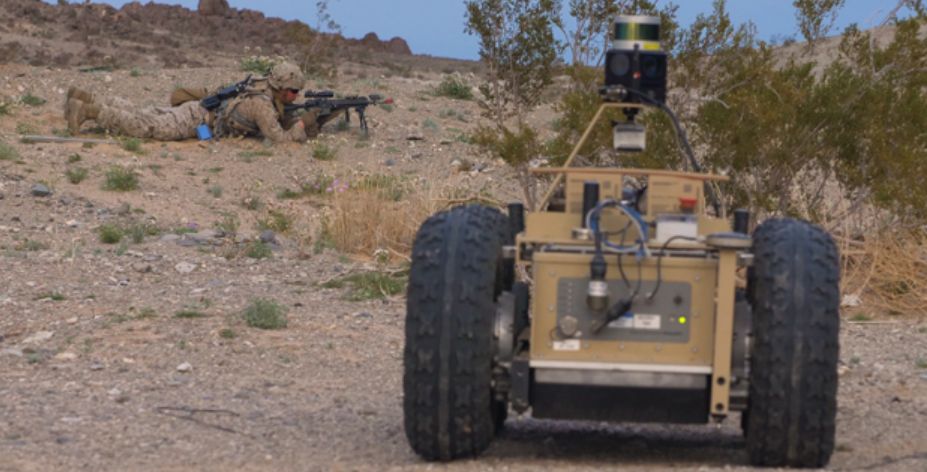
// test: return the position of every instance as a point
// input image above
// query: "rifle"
(214, 101)
(327, 105)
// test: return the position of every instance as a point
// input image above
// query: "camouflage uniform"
(254, 112)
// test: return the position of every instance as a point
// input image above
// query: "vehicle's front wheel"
(448, 406)
(794, 291)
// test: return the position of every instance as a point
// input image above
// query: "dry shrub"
(362, 222)
(888, 271)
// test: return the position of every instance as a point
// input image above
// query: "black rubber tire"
(448, 405)
(795, 295)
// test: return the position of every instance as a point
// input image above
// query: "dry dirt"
(97, 372)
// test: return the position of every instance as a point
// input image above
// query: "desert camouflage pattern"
(256, 113)
(162, 124)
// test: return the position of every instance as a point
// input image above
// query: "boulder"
(214, 7)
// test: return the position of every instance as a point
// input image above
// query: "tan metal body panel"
(724, 333)
(701, 273)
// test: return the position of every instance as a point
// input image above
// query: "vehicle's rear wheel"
(449, 407)
(794, 290)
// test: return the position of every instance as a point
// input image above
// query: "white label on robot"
(626, 321)
(567, 345)
(642, 321)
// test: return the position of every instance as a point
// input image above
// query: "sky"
(436, 27)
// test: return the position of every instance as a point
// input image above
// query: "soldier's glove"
(310, 123)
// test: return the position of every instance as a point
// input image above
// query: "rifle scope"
(320, 94)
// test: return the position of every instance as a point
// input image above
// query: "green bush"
(323, 152)
(7, 152)
(257, 64)
(370, 285)
(32, 101)
(133, 145)
(188, 313)
(265, 314)
(110, 234)
(5, 108)
(258, 250)
(120, 179)
(76, 175)
(453, 86)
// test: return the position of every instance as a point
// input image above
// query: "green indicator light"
(682, 320)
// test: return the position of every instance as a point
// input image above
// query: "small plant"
(430, 124)
(257, 64)
(370, 285)
(323, 152)
(5, 108)
(146, 313)
(76, 175)
(120, 179)
(53, 296)
(189, 313)
(139, 231)
(258, 250)
(228, 333)
(265, 314)
(387, 107)
(7, 153)
(215, 191)
(32, 245)
(74, 158)
(26, 128)
(453, 86)
(323, 241)
(252, 202)
(229, 223)
(248, 156)
(32, 101)
(133, 145)
(289, 194)
(861, 317)
(135, 72)
(921, 363)
(110, 234)
(276, 221)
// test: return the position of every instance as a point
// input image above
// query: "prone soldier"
(258, 110)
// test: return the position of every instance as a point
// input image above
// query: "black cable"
(624, 277)
(683, 140)
(660, 260)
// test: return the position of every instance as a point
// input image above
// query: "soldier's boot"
(78, 112)
(78, 93)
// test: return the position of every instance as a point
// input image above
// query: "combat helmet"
(286, 76)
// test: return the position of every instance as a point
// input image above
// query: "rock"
(124, 209)
(185, 267)
(850, 300)
(204, 236)
(11, 351)
(389, 162)
(65, 356)
(72, 224)
(213, 8)
(141, 267)
(169, 238)
(41, 190)
(268, 237)
(363, 315)
(185, 367)
(39, 337)
(415, 137)
(96, 366)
